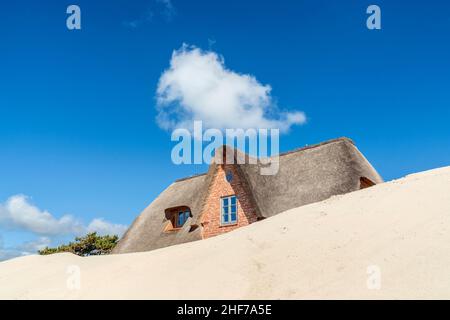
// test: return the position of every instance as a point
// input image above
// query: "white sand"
(401, 228)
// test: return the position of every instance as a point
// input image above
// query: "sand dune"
(389, 241)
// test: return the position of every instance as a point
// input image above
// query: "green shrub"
(89, 245)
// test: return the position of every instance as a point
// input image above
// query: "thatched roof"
(306, 175)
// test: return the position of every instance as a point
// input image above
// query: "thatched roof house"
(230, 196)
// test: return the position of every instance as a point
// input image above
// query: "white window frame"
(222, 211)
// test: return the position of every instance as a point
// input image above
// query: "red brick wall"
(220, 187)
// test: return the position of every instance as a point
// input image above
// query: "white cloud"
(198, 86)
(31, 247)
(103, 227)
(6, 254)
(24, 249)
(17, 213)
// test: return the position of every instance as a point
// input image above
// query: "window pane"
(186, 215)
(225, 210)
(180, 219)
(233, 209)
(233, 200)
(225, 218)
(233, 217)
(225, 202)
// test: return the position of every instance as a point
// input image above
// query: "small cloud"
(132, 24)
(198, 86)
(24, 249)
(168, 9)
(103, 227)
(31, 247)
(163, 9)
(211, 43)
(6, 254)
(18, 214)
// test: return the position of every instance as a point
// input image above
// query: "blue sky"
(78, 133)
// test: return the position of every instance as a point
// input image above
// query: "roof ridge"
(316, 145)
(191, 177)
(307, 147)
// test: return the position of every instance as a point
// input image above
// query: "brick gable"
(220, 187)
